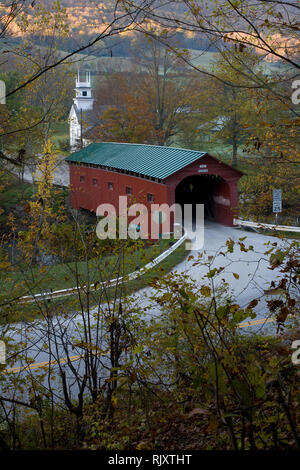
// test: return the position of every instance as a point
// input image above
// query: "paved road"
(61, 173)
(251, 267)
(64, 360)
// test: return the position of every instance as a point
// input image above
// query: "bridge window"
(150, 197)
(110, 186)
(95, 182)
(81, 179)
(128, 190)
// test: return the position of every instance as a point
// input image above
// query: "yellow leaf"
(114, 401)
(205, 291)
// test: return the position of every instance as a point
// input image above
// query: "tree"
(148, 104)
(230, 110)
(21, 18)
(126, 117)
(166, 88)
(273, 162)
(270, 27)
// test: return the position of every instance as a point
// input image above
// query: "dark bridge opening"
(199, 189)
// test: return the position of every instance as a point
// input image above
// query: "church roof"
(149, 160)
(89, 117)
(85, 115)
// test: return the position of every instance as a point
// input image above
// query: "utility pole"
(81, 141)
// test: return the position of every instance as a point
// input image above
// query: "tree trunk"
(234, 151)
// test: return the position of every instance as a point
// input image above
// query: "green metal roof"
(149, 160)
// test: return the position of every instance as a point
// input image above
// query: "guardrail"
(282, 228)
(109, 283)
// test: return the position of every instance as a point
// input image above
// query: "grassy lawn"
(24, 280)
(61, 133)
(61, 130)
(206, 59)
(13, 192)
(64, 275)
(65, 305)
(12, 195)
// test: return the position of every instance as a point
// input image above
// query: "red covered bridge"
(101, 172)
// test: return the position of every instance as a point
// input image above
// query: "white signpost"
(277, 200)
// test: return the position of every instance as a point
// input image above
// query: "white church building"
(81, 112)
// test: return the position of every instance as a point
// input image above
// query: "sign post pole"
(160, 231)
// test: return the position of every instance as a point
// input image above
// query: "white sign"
(277, 200)
(203, 169)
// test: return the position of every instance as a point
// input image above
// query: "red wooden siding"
(86, 195)
(89, 195)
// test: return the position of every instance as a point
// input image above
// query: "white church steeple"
(83, 100)
(81, 112)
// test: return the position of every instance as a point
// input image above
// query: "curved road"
(251, 267)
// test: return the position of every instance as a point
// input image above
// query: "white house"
(81, 111)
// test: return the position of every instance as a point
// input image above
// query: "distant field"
(202, 59)
(205, 59)
(99, 64)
